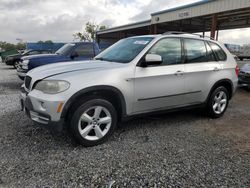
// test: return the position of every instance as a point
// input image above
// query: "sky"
(58, 20)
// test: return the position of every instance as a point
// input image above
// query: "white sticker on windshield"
(143, 42)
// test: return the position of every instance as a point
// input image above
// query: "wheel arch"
(110, 93)
(228, 84)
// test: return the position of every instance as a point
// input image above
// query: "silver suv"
(136, 75)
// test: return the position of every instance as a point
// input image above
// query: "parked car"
(13, 60)
(76, 51)
(135, 76)
(244, 52)
(244, 76)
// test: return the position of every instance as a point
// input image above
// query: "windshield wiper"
(100, 58)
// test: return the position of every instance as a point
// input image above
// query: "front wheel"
(218, 102)
(93, 122)
(15, 64)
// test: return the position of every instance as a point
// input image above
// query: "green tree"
(8, 46)
(48, 42)
(20, 46)
(89, 32)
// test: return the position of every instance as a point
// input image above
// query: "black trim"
(165, 110)
(168, 96)
(94, 89)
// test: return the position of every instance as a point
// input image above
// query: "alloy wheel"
(220, 102)
(94, 123)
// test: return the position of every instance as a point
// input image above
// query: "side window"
(220, 54)
(195, 51)
(85, 50)
(169, 49)
(210, 54)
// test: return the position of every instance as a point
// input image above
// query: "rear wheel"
(218, 102)
(93, 122)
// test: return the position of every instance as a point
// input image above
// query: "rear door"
(201, 70)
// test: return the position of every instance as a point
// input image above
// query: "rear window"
(219, 53)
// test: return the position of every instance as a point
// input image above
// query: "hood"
(39, 56)
(44, 59)
(245, 68)
(13, 56)
(73, 66)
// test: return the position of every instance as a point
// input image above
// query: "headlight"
(24, 64)
(52, 86)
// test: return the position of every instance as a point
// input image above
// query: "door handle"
(216, 69)
(178, 73)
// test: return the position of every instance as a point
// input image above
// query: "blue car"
(76, 51)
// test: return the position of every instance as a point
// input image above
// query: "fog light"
(43, 105)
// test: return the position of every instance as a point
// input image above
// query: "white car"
(137, 75)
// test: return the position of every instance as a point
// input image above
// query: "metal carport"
(202, 16)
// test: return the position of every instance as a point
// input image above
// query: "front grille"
(27, 81)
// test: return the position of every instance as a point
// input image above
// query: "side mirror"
(151, 59)
(74, 55)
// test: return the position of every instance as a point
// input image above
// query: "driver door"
(161, 86)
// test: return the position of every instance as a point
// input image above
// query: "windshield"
(25, 52)
(65, 49)
(124, 50)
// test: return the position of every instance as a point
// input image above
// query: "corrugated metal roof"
(182, 7)
(127, 26)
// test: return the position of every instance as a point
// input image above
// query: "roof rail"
(181, 33)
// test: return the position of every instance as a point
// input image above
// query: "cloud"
(57, 20)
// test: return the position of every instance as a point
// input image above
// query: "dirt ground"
(180, 149)
(235, 125)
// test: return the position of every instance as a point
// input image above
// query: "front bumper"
(41, 111)
(21, 72)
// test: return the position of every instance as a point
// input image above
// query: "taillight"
(237, 70)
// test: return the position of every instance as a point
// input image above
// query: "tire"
(220, 97)
(15, 64)
(21, 77)
(248, 88)
(93, 122)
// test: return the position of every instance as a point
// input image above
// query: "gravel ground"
(183, 149)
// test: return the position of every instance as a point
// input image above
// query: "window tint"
(195, 51)
(85, 50)
(169, 49)
(210, 54)
(220, 54)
